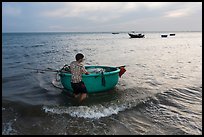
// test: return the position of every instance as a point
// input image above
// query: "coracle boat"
(100, 79)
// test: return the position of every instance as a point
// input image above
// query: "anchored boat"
(101, 78)
(164, 35)
(172, 34)
(115, 33)
(135, 35)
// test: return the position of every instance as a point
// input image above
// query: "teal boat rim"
(96, 74)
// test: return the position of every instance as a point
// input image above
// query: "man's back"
(77, 69)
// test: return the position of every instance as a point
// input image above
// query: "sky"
(101, 16)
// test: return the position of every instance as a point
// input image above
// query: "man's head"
(79, 57)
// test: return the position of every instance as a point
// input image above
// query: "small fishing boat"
(172, 34)
(115, 33)
(100, 79)
(164, 35)
(136, 35)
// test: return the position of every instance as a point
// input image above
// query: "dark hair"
(79, 56)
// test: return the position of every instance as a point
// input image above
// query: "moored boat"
(136, 35)
(100, 79)
(164, 35)
(172, 34)
(115, 33)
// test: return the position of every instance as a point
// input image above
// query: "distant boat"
(115, 33)
(136, 35)
(164, 35)
(172, 34)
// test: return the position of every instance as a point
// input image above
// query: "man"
(77, 69)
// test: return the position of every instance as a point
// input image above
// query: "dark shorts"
(79, 87)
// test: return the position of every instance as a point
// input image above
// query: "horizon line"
(100, 31)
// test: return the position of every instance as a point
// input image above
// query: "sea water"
(160, 93)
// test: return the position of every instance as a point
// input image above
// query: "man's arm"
(84, 70)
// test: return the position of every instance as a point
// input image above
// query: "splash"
(105, 109)
(92, 112)
(7, 128)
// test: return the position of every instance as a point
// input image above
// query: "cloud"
(156, 5)
(186, 9)
(99, 11)
(66, 16)
(74, 9)
(176, 14)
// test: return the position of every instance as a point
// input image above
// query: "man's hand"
(87, 73)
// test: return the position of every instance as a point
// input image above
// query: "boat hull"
(164, 36)
(172, 34)
(136, 35)
(95, 82)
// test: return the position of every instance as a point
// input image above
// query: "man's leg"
(83, 96)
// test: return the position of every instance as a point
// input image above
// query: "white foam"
(7, 128)
(95, 111)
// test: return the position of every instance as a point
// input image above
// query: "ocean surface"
(160, 93)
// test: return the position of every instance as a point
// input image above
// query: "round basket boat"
(101, 78)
